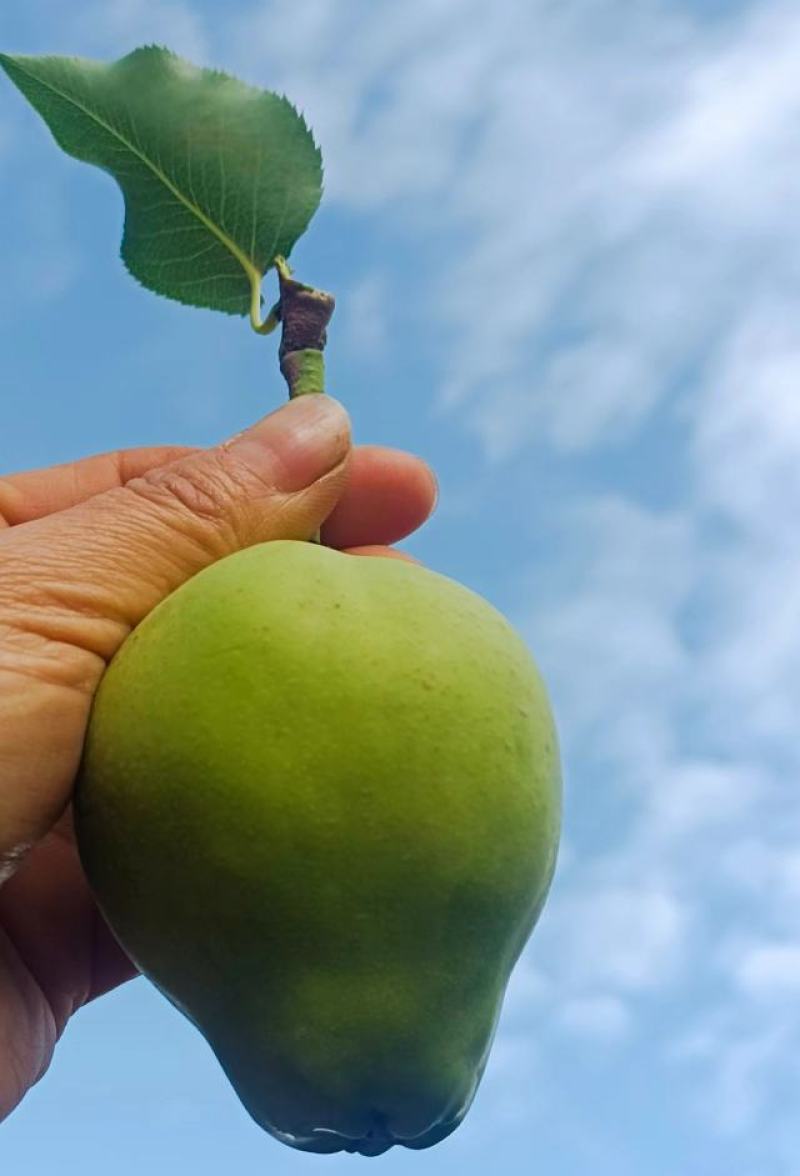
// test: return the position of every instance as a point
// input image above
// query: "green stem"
(271, 321)
(304, 371)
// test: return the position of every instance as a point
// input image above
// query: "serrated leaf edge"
(253, 274)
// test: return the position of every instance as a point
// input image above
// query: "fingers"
(49, 913)
(36, 493)
(388, 495)
(376, 549)
(112, 558)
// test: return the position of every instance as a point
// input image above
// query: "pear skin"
(319, 806)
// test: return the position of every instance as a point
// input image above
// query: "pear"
(319, 806)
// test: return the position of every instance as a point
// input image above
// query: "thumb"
(73, 584)
(85, 576)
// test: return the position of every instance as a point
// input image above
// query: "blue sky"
(565, 246)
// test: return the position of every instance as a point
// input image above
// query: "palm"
(56, 953)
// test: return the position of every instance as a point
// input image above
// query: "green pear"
(319, 807)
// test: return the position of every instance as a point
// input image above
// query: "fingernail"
(297, 444)
(436, 489)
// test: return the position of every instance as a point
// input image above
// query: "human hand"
(86, 552)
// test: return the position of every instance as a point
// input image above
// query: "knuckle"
(9, 503)
(209, 500)
(199, 503)
(178, 491)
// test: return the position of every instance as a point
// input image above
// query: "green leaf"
(219, 178)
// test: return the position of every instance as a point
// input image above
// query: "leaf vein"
(158, 171)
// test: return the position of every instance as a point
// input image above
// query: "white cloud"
(739, 1086)
(728, 129)
(611, 646)
(606, 1018)
(698, 796)
(760, 865)
(770, 970)
(627, 938)
(738, 1068)
(112, 28)
(334, 63)
(364, 321)
(747, 437)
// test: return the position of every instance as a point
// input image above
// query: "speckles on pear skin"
(324, 822)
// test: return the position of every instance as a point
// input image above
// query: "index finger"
(36, 493)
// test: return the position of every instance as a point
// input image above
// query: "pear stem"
(304, 314)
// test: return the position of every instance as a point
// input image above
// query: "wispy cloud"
(365, 316)
(603, 1017)
(115, 27)
(770, 969)
(742, 1070)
